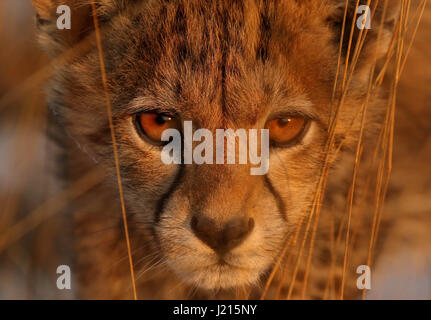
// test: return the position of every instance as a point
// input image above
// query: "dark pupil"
(283, 122)
(161, 119)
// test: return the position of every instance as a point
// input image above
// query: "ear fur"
(391, 13)
(55, 40)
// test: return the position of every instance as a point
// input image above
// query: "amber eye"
(153, 124)
(286, 130)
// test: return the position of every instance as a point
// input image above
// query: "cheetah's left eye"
(151, 125)
(286, 130)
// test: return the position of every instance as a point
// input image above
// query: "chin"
(215, 274)
(221, 276)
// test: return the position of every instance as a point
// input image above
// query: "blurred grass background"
(28, 265)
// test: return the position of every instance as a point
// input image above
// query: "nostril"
(205, 229)
(203, 225)
(238, 229)
(250, 225)
(194, 223)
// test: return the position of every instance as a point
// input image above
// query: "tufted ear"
(55, 40)
(388, 10)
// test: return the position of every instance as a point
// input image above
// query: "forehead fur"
(233, 58)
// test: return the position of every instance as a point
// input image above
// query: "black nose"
(222, 239)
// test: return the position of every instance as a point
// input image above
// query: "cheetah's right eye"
(151, 125)
(286, 130)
